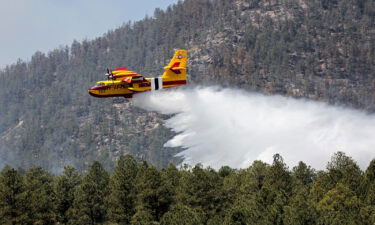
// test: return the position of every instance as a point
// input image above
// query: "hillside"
(321, 50)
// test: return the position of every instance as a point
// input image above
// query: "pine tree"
(181, 215)
(65, 186)
(345, 170)
(254, 177)
(368, 195)
(40, 196)
(202, 190)
(272, 197)
(122, 198)
(12, 197)
(240, 213)
(339, 206)
(143, 217)
(170, 181)
(304, 174)
(341, 169)
(149, 190)
(278, 176)
(89, 205)
(300, 210)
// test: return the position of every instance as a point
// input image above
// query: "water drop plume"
(231, 127)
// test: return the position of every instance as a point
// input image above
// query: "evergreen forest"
(137, 193)
(68, 158)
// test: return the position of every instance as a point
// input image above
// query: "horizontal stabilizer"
(175, 68)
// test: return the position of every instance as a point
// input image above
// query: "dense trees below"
(317, 49)
(137, 193)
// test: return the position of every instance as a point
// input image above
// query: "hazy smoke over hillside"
(231, 127)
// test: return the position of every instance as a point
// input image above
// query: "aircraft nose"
(90, 92)
(92, 89)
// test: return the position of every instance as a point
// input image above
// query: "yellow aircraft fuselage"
(125, 83)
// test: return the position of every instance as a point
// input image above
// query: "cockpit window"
(99, 84)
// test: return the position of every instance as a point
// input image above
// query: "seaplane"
(125, 83)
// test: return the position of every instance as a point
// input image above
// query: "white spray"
(219, 127)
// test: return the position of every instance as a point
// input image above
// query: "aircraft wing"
(123, 72)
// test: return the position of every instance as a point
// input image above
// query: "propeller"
(108, 74)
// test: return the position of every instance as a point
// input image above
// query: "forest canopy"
(137, 193)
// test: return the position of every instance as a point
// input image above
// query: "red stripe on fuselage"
(145, 84)
(99, 88)
(108, 96)
(174, 82)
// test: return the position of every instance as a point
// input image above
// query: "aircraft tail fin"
(176, 69)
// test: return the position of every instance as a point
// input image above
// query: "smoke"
(218, 127)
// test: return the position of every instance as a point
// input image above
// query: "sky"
(28, 26)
